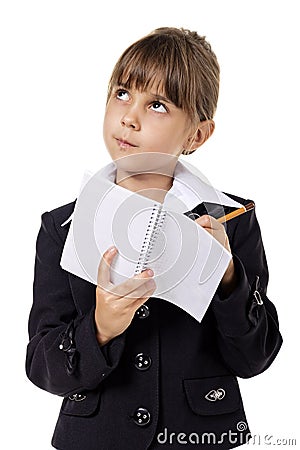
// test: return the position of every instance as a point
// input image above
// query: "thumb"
(204, 221)
(103, 277)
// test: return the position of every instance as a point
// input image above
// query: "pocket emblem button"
(215, 394)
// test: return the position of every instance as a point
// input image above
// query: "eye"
(159, 107)
(123, 95)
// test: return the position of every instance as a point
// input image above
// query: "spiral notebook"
(188, 263)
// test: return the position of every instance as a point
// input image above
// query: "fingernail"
(112, 249)
(150, 272)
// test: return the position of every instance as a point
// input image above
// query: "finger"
(207, 221)
(139, 302)
(215, 228)
(148, 286)
(132, 287)
(135, 298)
(103, 276)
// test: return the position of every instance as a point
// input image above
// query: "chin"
(154, 162)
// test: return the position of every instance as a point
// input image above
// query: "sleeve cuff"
(96, 362)
(232, 312)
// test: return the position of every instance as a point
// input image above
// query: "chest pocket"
(84, 403)
(213, 395)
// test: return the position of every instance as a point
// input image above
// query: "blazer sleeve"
(63, 355)
(247, 323)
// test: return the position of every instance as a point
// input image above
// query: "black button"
(77, 397)
(142, 312)
(142, 361)
(80, 397)
(142, 417)
(66, 344)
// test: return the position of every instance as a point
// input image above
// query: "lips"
(125, 144)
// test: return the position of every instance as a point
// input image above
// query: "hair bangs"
(140, 73)
(176, 63)
(154, 67)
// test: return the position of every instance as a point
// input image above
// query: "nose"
(130, 120)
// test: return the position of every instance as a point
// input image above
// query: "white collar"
(189, 189)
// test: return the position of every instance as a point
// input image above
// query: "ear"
(204, 130)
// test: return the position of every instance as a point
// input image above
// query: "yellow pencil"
(236, 213)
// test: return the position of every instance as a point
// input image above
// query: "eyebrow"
(153, 94)
(161, 97)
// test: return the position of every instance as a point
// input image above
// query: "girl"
(136, 371)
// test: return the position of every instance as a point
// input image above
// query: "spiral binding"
(155, 223)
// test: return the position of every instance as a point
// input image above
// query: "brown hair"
(182, 60)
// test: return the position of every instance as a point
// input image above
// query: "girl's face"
(142, 122)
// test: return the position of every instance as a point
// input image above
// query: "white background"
(56, 58)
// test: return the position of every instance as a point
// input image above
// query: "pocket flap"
(81, 404)
(213, 395)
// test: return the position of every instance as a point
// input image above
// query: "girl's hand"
(117, 304)
(217, 230)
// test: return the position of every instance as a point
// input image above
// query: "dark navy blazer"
(166, 373)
